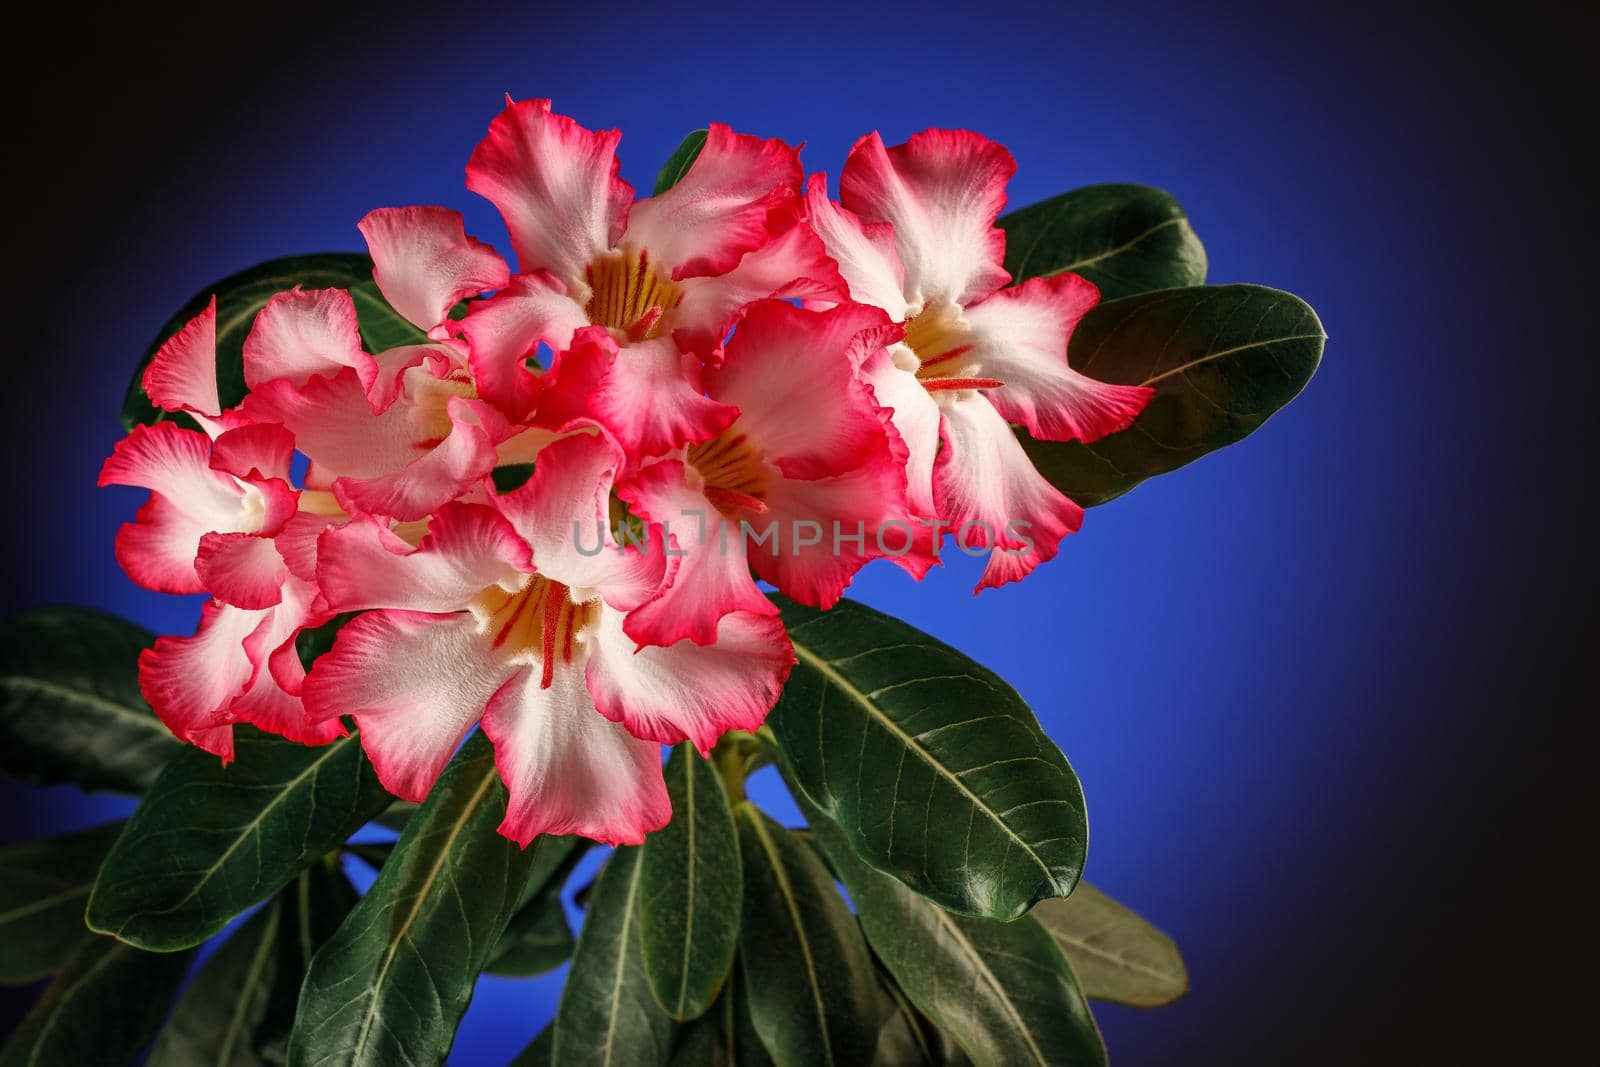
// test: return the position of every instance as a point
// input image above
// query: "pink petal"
(241, 569)
(444, 472)
(254, 451)
(740, 190)
(158, 549)
(792, 265)
(690, 692)
(712, 576)
(424, 262)
(468, 548)
(183, 374)
(415, 683)
(1020, 335)
(863, 251)
(266, 702)
(567, 769)
(555, 184)
(563, 512)
(505, 331)
(799, 397)
(983, 477)
(190, 681)
(306, 333)
(941, 191)
(914, 417)
(652, 400)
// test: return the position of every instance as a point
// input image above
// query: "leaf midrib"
(1222, 352)
(1002, 996)
(792, 906)
(46, 687)
(827, 671)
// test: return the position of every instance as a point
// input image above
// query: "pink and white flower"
(219, 503)
(666, 276)
(502, 616)
(804, 486)
(914, 233)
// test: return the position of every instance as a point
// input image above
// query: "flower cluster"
(739, 380)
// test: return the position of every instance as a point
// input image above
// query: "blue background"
(1321, 688)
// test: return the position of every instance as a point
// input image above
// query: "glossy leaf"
(70, 707)
(807, 974)
(239, 1009)
(43, 888)
(678, 164)
(391, 984)
(1126, 239)
(723, 1036)
(1003, 991)
(690, 890)
(1116, 955)
(538, 939)
(103, 1008)
(1221, 358)
(934, 768)
(240, 296)
(209, 841)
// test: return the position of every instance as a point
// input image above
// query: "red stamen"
(724, 499)
(645, 323)
(555, 597)
(933, 385)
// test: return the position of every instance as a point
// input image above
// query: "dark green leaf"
(396, 815)
(102, 1009)
(538, 1052)
(392, 983)
(241, 295)
(43, 888)
(313, 642)
(538, 938)
(511, 477)
(678, 164)
(373, 854)
(907, 1038)
(934, 767)
(724, 1035)
(1116, 955)
(1126, 239)
(690, 890)
(209, 841)
(807, 973)
(1221, 358)
(70, 707)
(240, 1007)
(607, 1015)
(1004, 991)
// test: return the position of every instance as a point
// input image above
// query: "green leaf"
(724, 1035)
(934, 768)
(103, 1008)
(70, 707)
(392, 983)
(1003, 991)
(1116, 955)
(1126, 239)
(240, 1007)
(690, 890)
(209, 841)
(678, 164)
(1221, 358)
(907, 1038)
(240, 296)
(607, 1015)
(807, 974)
(538, 938)
(43, 888)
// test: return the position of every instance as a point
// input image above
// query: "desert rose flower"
(500, 615)
(221, 509)
(804, 486)
(666, 275)
(914, 234)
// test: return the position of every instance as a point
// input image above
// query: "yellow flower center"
(539, 622)
(628, 294)
(735, 477)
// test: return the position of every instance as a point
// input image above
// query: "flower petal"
(241, 569)
(254, 451)
(555, 184)
(567, 769)
(739, 191)
(415, 683)
(266, 702)
(942, 191)
(306, 333)
(190, 681)
(652, 400)
(793, 265)
(176, 463)
(505, 330)
(690, 692)
(424, 262)
(1020, 335)
(864, 252)
(989, 493)
(914, 416)
(182, 376)
(441, 474)
(468, 548)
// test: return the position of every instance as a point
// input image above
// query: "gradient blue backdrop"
(1287, 674)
